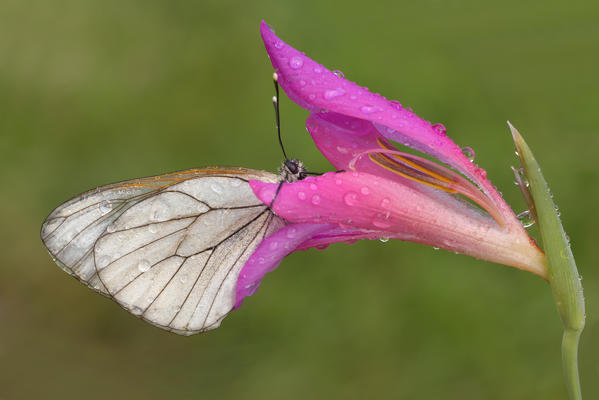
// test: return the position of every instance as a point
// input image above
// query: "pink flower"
(384, 193)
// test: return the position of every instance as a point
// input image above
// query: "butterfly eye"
(292, 166)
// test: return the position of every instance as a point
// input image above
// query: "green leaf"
(563, 274)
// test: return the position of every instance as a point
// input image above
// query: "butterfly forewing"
(167, 248)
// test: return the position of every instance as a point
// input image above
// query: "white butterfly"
(167, 248)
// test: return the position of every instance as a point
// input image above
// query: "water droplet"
(302, 82)
(526, 218)
(291, 233)
(440, 129)
(216, 188)
(382, 224)
(435, 248)
(316, 199)
(152, 228)
(111, 228)
(105, 207)
(317, 70)
(368, 109)
(103, 262)
(150, 299)
(332, 93)
(296, 62)
(338, 181)
(183, 278)
(350, 198)
(523, 176)
(468, 152)
(279, 44)
(381, 220)
(261, 260)
(274, 245)
(385, 203)
(143, 266)
(312, 96)
(342, 150)
(384, 239)
(301, 195)
(135, 310)
(365, 191)
(395, 104)
(313, 186)
(339, 73)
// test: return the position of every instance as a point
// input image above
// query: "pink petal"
(269, 254)
(316, 88)
(368, 202)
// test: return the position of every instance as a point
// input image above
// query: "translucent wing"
(167, 248)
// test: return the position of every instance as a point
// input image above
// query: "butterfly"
(167, 248)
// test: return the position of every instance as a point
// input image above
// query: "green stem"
(570, 362)
(562, 271)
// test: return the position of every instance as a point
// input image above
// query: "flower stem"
(563, 274)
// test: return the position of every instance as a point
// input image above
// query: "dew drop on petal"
(274, 245)
(440, 129)
(468, 152)
(332, 93)
(296, 62)
(291, 233)
(384, 239)
(301, 195)
(364, 190)
(313, 186)
(317, 70)
(380, 223)
(368, 109)
(143, 265)
(279, 44)
(338, 181)
(316, 199)
(312, 96)
(342, 150)
(385, 203)
(302, 82)
(105, 207)
(395, 104)
(350, 198)
(339, 73)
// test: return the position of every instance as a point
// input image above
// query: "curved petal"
(316, 88)
(269, 254)
(274, 248)
(364, 201)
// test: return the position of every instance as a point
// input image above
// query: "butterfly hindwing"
(167, 248)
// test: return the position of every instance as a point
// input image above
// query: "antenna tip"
(275, 77)
(274, 99)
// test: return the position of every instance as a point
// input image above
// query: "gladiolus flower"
(383, 192)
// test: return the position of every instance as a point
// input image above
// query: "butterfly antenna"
(275, 102)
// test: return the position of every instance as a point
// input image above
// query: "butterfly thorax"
(292, 171)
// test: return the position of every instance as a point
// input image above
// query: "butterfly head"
(292, 170)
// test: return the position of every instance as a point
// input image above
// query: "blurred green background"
(93, 92)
